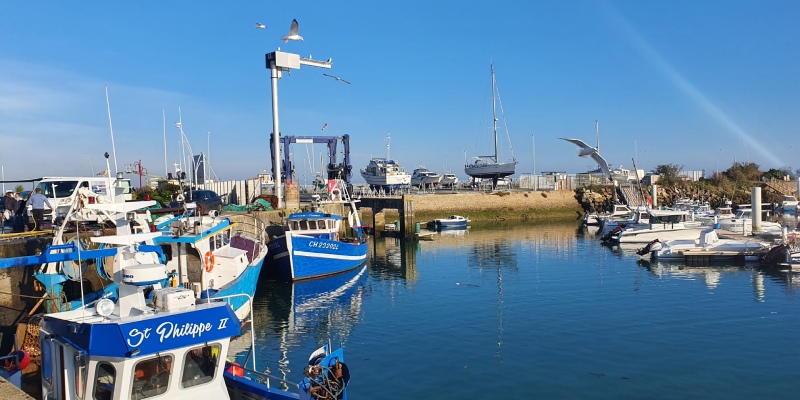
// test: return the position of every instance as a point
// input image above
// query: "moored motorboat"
(709, 245)
(662, 225)
(451, 222)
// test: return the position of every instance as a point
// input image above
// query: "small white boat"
(619, 210)
(789, 203)
(708, 244)
(451, 222)
(742, 222)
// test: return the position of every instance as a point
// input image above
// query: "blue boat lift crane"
(342, 170)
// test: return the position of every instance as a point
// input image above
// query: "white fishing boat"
(423, 177)
(490, 167)
(385, 173)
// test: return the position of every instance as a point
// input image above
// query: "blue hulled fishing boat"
(311, 246)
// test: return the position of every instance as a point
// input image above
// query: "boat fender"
(24, 360)
(209, 259)
(179, 198)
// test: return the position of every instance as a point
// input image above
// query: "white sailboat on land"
(490, 167)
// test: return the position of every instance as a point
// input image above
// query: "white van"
(61, 191)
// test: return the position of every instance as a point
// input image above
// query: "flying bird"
(260, 26)
(292, 33)
(585, 150)
(337, 78)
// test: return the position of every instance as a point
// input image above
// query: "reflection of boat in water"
(452, 232)
(291, 316)
(711, 275)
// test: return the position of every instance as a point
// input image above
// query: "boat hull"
(298, 257)
(490, 170)
(244, 284)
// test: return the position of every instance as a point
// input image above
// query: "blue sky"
(694, 83)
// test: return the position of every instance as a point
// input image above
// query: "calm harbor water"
(538, 312)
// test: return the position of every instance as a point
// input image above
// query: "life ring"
(209, 261)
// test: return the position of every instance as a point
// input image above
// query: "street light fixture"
(278, 62)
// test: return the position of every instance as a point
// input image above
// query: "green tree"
(669, 173)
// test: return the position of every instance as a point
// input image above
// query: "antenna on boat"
(388, 152)
(111, 128)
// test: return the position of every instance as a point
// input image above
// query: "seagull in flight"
(585, 150)
(337, 78)
(260, 26)
(292, 33)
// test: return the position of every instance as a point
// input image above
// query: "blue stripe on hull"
(307, 257)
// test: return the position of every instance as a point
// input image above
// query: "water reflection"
(286, 315)
(394, 259)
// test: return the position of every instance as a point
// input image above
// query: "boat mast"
(388, 152)
(494, 115)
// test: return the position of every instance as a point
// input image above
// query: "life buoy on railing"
(209, 261)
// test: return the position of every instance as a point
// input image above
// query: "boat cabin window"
(105, 377)
(294, 225)
(666, 219)
(312, 224)
(321, 224)
(200, 365)
(151, 377)
(303, 225)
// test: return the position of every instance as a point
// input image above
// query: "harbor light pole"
(277, 63)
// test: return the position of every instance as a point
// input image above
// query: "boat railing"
(251, 226)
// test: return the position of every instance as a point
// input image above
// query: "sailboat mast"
(494, 116)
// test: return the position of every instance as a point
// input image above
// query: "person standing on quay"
(37, 202)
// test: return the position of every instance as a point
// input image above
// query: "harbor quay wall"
(485, 206)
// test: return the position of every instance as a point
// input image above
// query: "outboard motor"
(655, 245)
(610, 235)
(776, 255)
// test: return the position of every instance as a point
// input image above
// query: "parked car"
(206, 200)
